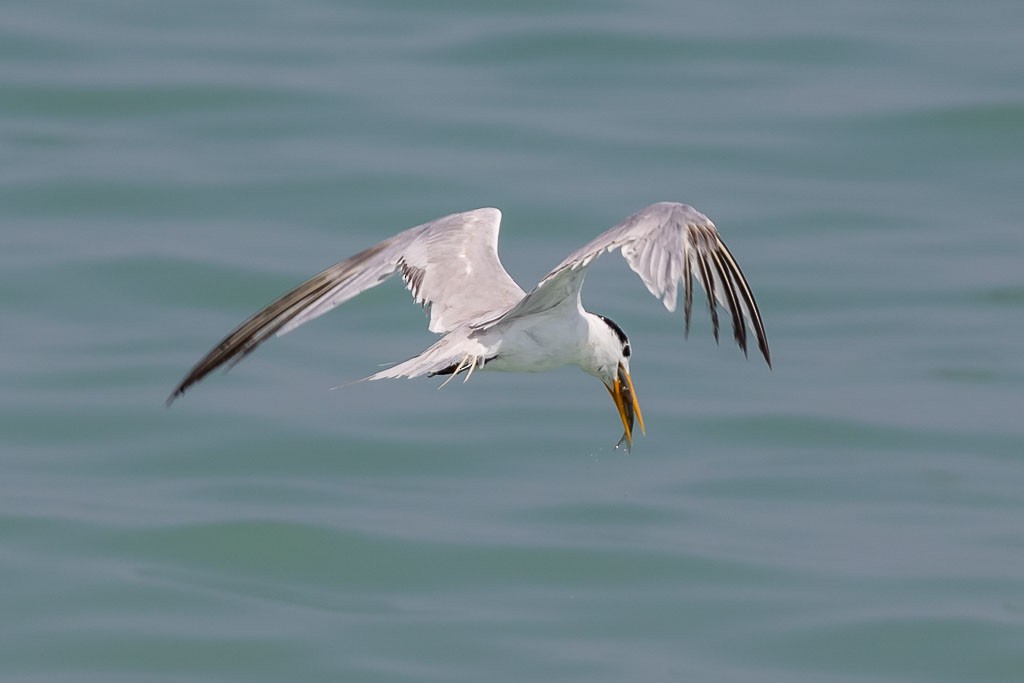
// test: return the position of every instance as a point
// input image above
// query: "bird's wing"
(663, 243)
(454, 268)
(450, 264)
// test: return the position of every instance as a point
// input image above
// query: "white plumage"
(451, 265)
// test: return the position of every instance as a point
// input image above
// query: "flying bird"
(451, 266)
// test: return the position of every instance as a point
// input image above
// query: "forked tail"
(449, 356)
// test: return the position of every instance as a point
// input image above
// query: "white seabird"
(451, 265)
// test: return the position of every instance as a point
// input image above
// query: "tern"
(451, 266)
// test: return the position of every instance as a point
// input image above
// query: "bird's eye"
(625, 350)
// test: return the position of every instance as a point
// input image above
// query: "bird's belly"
(537, 348)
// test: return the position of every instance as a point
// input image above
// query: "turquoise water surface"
(854, 515)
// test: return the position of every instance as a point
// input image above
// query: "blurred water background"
(854, 515)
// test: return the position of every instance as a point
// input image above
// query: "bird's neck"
(600, 350)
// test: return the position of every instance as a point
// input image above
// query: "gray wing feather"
(665, 244)
(450, 264)
(454, 268)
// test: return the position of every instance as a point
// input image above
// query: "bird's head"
(609, 361)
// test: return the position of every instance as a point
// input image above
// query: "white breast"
(540, 342)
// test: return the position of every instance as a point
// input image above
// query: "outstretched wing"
(664, 244)
(450, 264)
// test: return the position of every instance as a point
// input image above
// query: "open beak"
(623, 394)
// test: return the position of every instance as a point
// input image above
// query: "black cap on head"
(618, 333)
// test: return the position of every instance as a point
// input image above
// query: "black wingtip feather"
(688, 295)
(709, 287)
(739, 330)
(751, 304)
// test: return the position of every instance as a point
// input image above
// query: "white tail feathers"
(460, 353)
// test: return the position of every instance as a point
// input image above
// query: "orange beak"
(624, 395)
